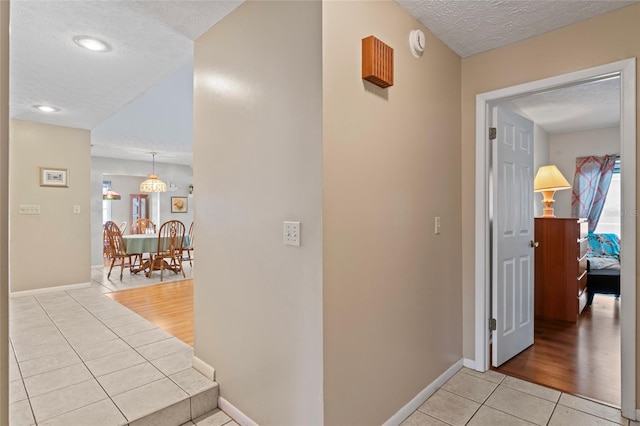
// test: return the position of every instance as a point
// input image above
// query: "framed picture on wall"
(50, 176)
(178, 204)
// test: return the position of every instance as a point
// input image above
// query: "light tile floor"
(493, 399)
(99, 277)
(80, 358)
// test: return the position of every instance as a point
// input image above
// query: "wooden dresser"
(560, 268)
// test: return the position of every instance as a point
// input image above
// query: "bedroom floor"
(581, 358)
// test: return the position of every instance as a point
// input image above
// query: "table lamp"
(549, 180)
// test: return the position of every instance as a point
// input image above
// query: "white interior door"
(512, 254)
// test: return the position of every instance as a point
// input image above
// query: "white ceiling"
(150, 40)
(469, 27)
(581, 107)
(137, 98)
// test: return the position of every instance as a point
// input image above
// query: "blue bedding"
(604, 245)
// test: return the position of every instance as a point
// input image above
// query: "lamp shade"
(549, 178)
(153, 184)
(111, 195)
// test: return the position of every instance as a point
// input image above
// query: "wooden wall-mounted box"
(377, 62)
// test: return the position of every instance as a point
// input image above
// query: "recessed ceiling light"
(46, 108)
(92, 43)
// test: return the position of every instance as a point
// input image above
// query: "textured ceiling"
(585, 106)
(131, 97)
(471, 26)
(150, 40)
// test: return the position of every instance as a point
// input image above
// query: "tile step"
(183, 412)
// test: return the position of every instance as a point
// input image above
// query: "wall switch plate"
(292, 233)
(437, 226)
(29, 209)
(76, 209)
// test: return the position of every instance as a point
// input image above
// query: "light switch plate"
(76, 209)
(292, 233)
(437, 226)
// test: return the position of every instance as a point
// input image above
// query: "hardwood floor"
(169, 306)
(581, 358)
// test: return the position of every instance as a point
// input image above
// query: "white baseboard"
(234, 413)
(424, 394)
(469, 363)
(97, 266)
(637, 414)
(37, 291)
(204, 368)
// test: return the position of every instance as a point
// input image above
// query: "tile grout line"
(555, 403)
(81, 360)
(22, 380)
(586, 412)
(79, 302)
(165, 376)
(131, 347)
(80, 357)
(552, 413)
(488, 396)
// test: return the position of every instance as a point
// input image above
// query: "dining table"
(146, 243)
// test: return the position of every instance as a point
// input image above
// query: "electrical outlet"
(437, 226)
(76, 209)
(29, 209)
(292, 233)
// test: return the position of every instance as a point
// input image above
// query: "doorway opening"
(626, 71)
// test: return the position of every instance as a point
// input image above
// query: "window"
(106, 205)
(609, 222)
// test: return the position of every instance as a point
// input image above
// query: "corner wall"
(258, 162)
(53, 248)
(391, 164)
(600, 40)
(4, 212)
(540, 158)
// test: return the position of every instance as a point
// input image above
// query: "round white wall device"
(417, 42)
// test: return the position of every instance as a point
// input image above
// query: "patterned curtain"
(590, 186)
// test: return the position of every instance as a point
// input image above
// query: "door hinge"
(492, 324)
(493, 133)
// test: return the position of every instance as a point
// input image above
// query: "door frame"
(627, 71)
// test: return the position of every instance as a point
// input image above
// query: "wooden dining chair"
(123, 227)
(189, 248)
(140, 226)
(117, 247)
(106, 247)
(170, 242)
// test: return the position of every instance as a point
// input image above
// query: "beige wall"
(257, 163)
(4, 212)
(540, 158)
(564, 148)
(604, 39)
(391, 163)
(53, 248)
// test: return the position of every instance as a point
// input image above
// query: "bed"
(603, 265)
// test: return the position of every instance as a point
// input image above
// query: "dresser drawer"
(583, 228)
(583, 246)
(582, 267)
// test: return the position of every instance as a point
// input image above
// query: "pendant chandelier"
(111, 195)
(153, 184)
